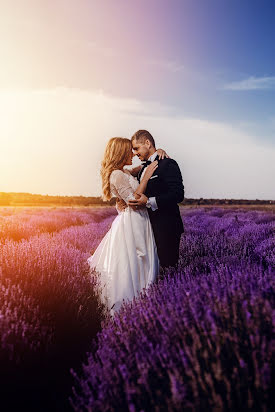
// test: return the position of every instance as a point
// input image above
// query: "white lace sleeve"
(122, 186)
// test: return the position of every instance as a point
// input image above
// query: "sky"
(198, 74)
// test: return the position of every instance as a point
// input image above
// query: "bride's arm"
(161, 153)
(121, 183)
(147, 174)
(135, 170)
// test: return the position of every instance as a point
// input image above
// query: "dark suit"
(168, 189)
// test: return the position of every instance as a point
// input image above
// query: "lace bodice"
(123, 184)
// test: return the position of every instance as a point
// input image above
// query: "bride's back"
(123, 184)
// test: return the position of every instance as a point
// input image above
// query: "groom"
(163, 193)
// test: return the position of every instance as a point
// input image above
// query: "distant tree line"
(29, 199)
(13, 198)
(202, 201)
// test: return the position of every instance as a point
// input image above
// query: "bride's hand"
(162, 154)
(150, 170)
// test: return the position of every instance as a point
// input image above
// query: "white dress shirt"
(152, 200)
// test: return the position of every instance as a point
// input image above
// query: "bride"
(126, 259)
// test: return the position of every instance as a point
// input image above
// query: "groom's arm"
(174, 193)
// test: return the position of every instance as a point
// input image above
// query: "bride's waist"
(130, 209)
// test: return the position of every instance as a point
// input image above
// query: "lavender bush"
(186, 344)
(199, 339)
(29, 222)
(49, 310)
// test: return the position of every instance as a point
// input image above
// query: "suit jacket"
(167, 187)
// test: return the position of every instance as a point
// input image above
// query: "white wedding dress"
(127, 257)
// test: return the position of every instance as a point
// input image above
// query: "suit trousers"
(168, 249)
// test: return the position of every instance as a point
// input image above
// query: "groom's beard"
(148, 156)
(144, 157)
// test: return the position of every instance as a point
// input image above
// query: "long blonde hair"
(116, 154)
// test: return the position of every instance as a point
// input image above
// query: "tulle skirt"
(126, 259)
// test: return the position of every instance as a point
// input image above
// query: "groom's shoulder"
(167, 161)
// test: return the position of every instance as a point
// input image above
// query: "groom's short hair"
(141, 135)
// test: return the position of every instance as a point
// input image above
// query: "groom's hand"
(139, 202)
(120, 205)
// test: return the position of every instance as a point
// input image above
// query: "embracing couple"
(146, 233)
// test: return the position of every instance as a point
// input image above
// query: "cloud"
(252, 83)
(52, 142)
(168, 65)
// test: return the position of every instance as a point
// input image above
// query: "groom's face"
(141, 149)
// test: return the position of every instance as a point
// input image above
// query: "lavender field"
(201, 338)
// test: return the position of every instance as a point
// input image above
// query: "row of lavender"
(17, 223)
(199, 339)
(49, 310)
